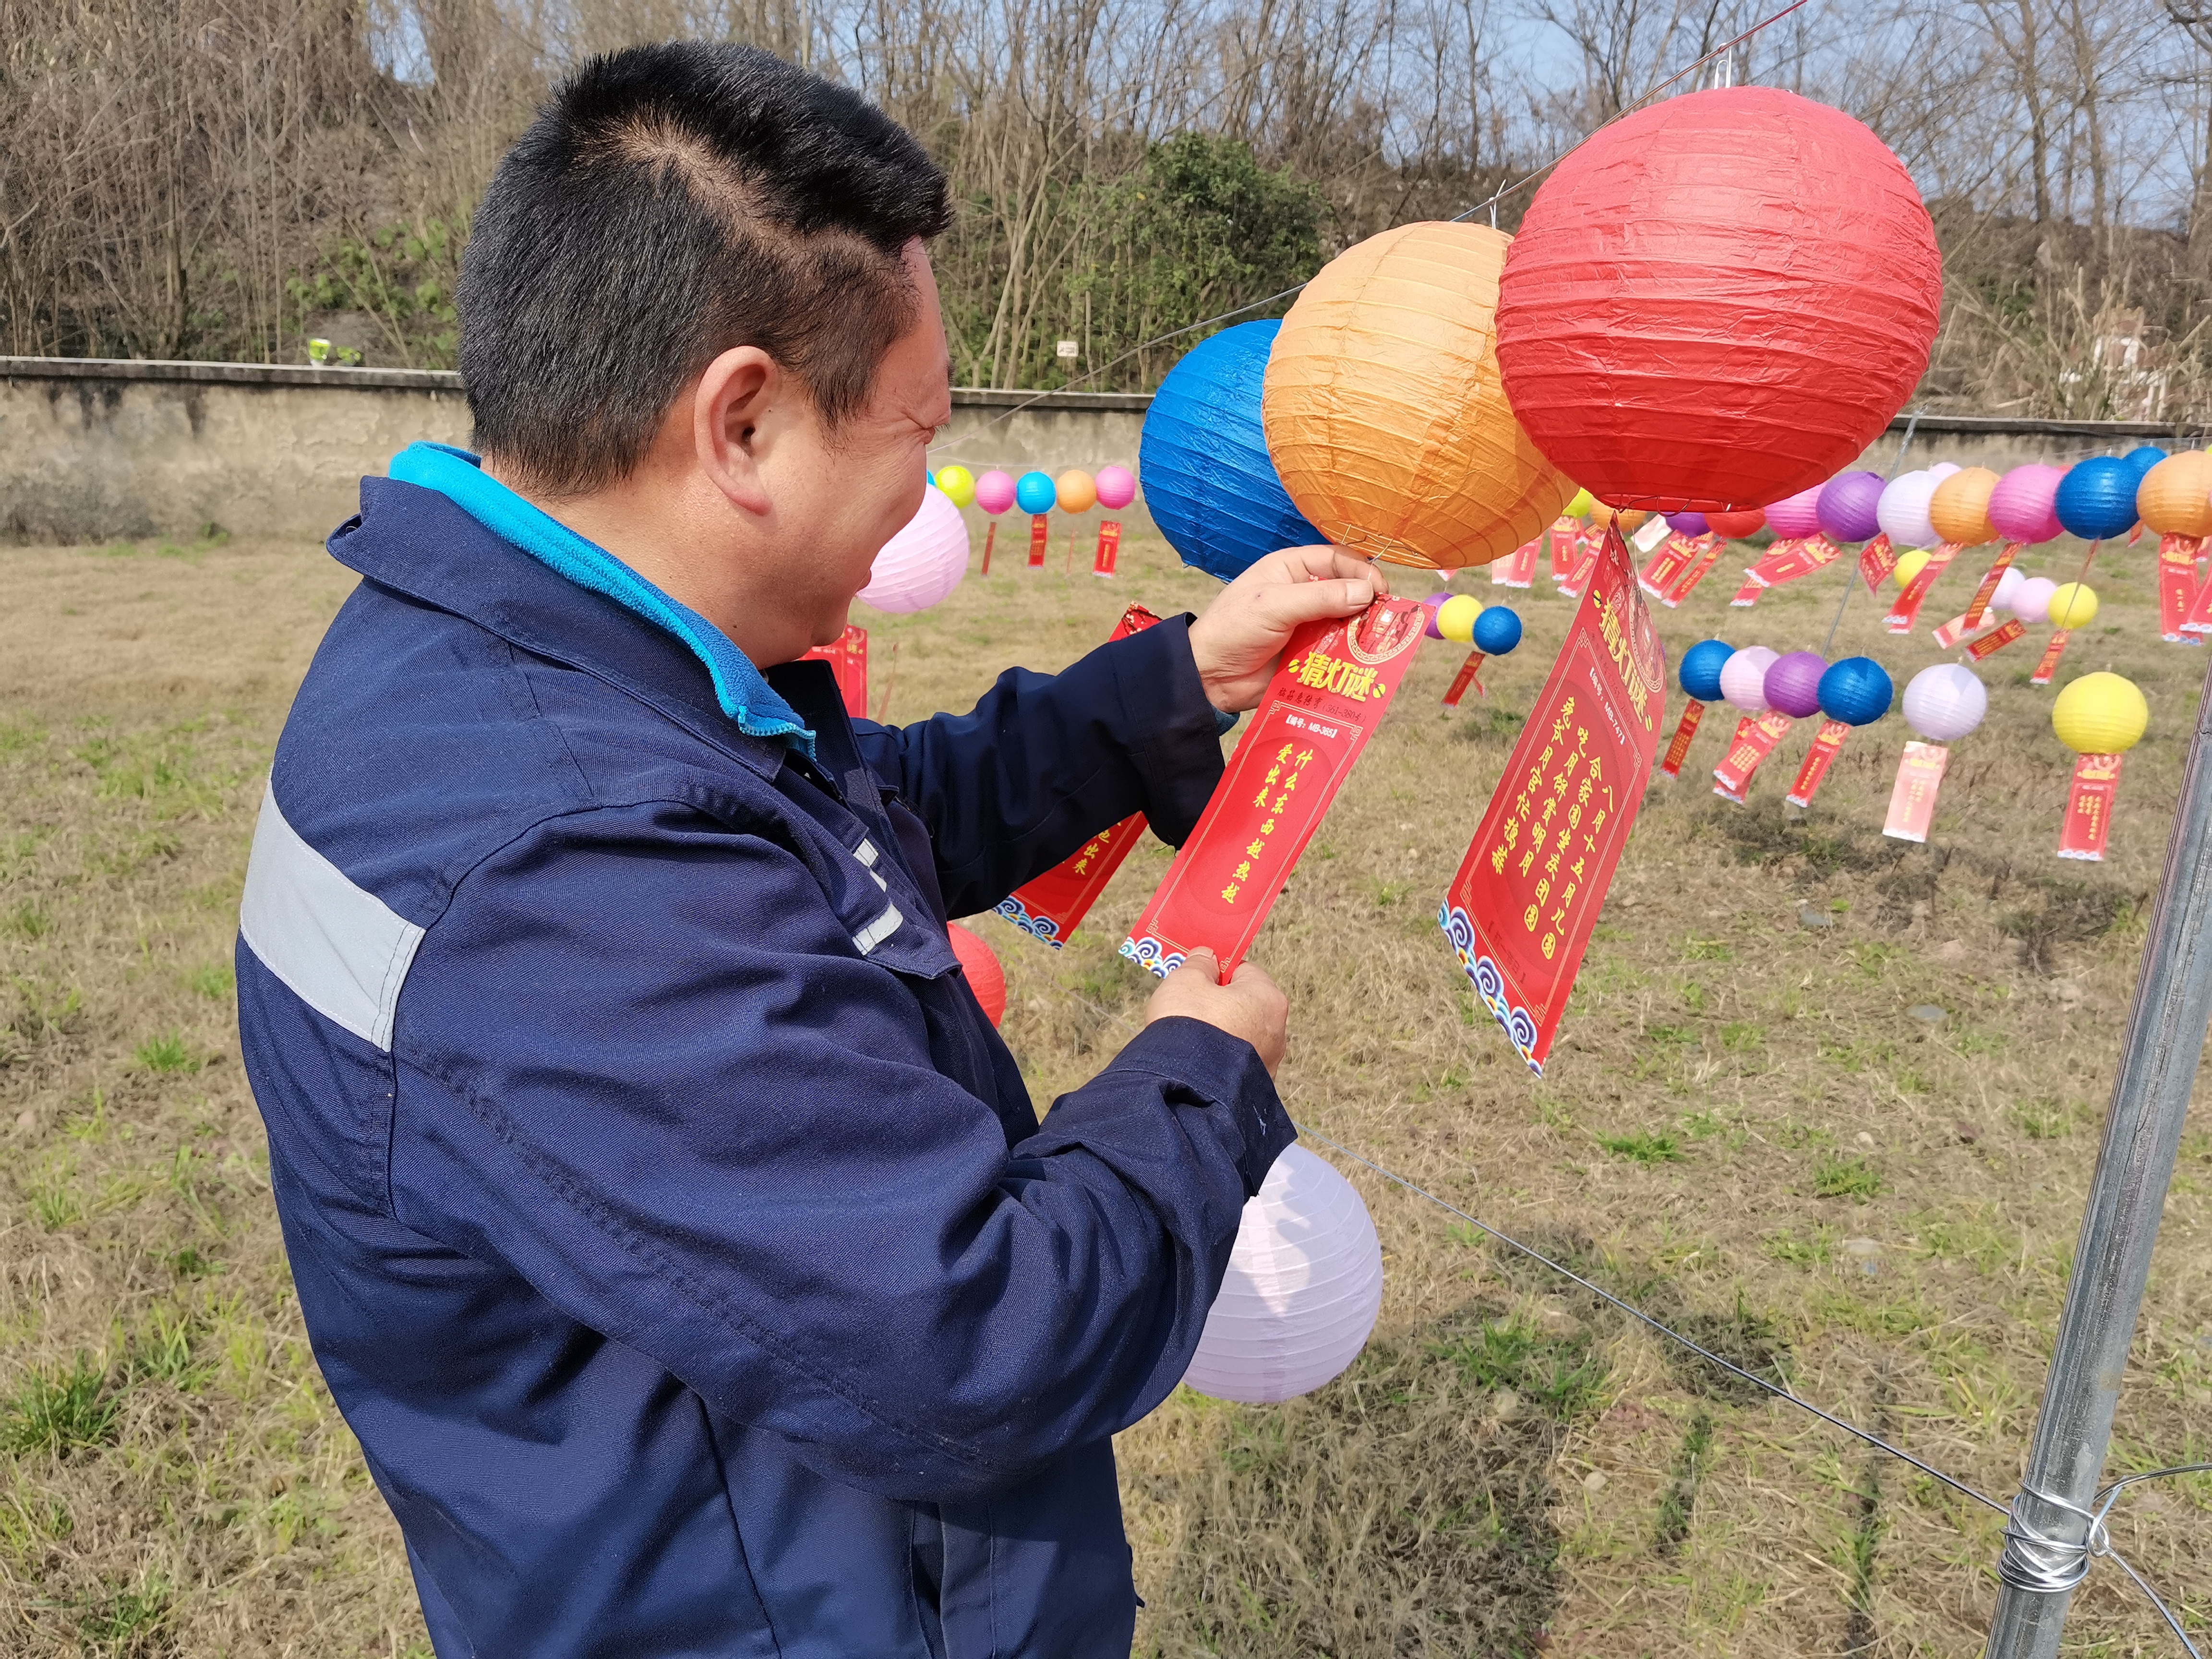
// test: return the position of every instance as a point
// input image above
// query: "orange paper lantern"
(1960, 508)
(2175, 496)
(1075, 491)
(1631, 517)
(1385, 415)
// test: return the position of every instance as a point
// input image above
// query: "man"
(671, 1226)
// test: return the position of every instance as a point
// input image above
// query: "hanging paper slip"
(1978, 606)
(1518, 567)
(2177, 583)
(1754, 740)
(1679, 750)
(1520, 911)
(990, 536)
(1564, 539)
(847, 657)
(1317, 715)
(1912, 799)
(1876, 560)
(1109, 548)
(2089, 808)
(1697, 572)
(2051, 652)
(1676, 555)
(1465, 678)
(1789, 559)
(1039, 530)
(1996, 639)
(1906, 611)
(1827, 743)
(1052, 906)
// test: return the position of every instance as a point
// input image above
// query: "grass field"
(1747, 1129)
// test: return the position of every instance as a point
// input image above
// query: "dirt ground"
(1828, 1101)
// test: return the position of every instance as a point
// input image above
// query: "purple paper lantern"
(1686, 523)
(1796, 516)
(1433, 604)
(2024, 506)
(1793, 683)
(1845, 507)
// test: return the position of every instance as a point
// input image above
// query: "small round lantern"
(1496, 630)
(1687, 524)
(1793, 684)
(1384, 339)
(1856, 690)
(995, 492)
(2140, 460)
(2008, 588)
(1902, 511)
(2175, 496)
(2096, 499)
(1303, 1286)
(1737, 526)
(958, 484)
(1945, 701)
(1797, 515)
(2101, 715)
(985, 977)
(2024, 506)
(1075, 492)
(1117, 487)
(923, 562)
(2073, 605)
(1700, 672)
(1036, 492)
(1630, 519)
(1958, 509)
(1743, 677)
(1847, 506)
(1911, 563)
(1581, 504)
(1634, 370)
(1208, 482)
(1432, 604)
(1456, 617)
(2031, 601)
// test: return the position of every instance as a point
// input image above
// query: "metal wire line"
(1489, 204)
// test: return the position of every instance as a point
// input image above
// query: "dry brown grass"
(1510, 1467)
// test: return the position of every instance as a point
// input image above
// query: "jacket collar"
(740, 689)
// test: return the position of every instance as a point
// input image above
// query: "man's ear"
(737, 410)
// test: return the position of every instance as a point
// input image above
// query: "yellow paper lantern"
(1384, 412)
(2175, 496)
(2101, 715)
(1582, 505)
(1455, 618)
(1631, 517)
(2073, 605)
(957, 482)
(1910, 563)
(1075, 491)
(1960, 510)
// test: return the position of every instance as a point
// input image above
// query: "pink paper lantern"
(2032, 602)
(2024, 506)
(1117, 487)
(1743, 677)
(995, 492)
(923, 561)
(1797, 515)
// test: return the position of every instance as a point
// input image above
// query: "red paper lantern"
(1719, 300)
(985, 978)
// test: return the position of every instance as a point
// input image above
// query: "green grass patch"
(167, 1052)
(1837, 1177)
(61, 1412)
(1644, 1146)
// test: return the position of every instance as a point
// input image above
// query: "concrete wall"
(102, 451)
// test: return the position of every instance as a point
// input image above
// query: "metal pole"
(2048, 1540)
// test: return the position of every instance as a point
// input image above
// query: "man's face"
(847, 493)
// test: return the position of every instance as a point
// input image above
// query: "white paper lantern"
(1303, 1286)
(923, 561)
(1902, 511)
(1945, 702)
(2031, 600)
(1743, 677)
(2008, 589)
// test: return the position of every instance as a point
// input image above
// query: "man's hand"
(1251, 1006)
(1239, 638)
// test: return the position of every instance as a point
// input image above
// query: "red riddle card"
(1520, 911)
(1318, 712)
(1052, 906)
(847, 657)
(2089, 808)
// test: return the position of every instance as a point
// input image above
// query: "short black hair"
(671, 202)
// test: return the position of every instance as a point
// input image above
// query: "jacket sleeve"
(1046, 761)
(640, 1061)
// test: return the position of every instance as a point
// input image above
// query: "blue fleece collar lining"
(744, 695)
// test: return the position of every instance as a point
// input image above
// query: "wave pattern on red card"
(1336, 680)
(1520, 911)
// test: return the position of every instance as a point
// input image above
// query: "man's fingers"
(1322, 560)
(1305, 602)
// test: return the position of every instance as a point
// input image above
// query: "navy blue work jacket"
(672, 1228)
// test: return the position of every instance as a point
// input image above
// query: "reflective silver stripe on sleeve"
(878, 930)
(341, 950)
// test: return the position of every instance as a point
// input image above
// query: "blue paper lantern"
(1856, 690)
(2142, 458)
(2097, 498)
(1036, 492)
(1208, 482)
(1700, 672)
(1496, 630)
